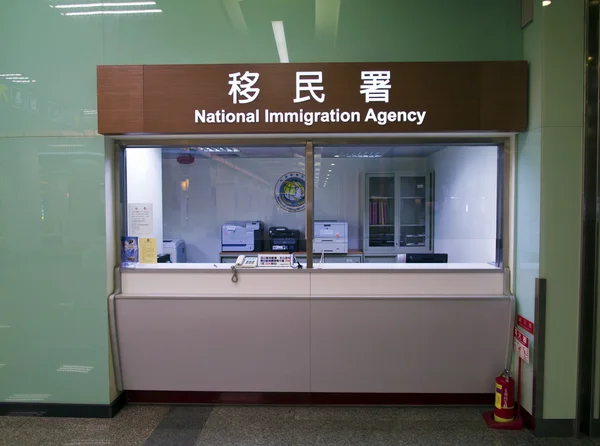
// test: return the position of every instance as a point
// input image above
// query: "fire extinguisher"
(504, 410)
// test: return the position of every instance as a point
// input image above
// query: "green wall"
(560, 229)
(527, 203)
(54, 265)
(53, 271)
(549, 196)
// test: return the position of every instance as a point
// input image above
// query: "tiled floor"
(277, 426)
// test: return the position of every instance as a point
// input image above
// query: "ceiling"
(61, 52)
(338, 151)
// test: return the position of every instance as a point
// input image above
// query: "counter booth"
(312, 232)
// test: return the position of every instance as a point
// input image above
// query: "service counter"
(351, 328)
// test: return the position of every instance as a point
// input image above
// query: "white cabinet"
(397, 214)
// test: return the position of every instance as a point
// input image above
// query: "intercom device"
(246, 261)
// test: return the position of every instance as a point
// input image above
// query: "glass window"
(210, 204)
(426, 203)
(407, 203)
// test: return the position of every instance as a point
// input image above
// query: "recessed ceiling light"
(279, 33)
(546, 2)
(132, 11)
(336, 156)
(102, 5)
(333, 164)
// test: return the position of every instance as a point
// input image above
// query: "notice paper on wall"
(148, 252)
(140, 219)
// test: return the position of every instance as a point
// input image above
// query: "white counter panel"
(325, 280)
(263, 283)
(214, 344)
(333, 329)
(406, 282)
(419, 345)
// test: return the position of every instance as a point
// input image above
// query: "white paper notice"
(140, 219)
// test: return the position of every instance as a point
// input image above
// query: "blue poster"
(131, 252)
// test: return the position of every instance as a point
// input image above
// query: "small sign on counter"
(148, 251)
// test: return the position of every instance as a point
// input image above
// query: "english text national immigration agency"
(308, 118)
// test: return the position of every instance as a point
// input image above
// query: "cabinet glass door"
(413, 215)
(381, 212)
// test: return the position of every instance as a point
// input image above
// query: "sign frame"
(339, 98)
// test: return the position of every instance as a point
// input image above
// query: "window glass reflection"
(211, 204)
(414, 203)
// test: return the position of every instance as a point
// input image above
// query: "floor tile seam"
(164, 425)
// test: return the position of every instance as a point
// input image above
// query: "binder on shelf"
(379, 212)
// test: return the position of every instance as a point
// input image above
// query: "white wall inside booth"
(217, 192)
(466, 185)
(144, 177)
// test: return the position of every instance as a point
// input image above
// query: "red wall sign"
(521, 338)
(521, 344)
(525, 323)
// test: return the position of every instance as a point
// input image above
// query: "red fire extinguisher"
(504, 410)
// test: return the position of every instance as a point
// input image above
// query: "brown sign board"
(396, 97)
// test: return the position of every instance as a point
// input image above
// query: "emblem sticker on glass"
(290, 192)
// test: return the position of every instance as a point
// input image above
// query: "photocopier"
(244, 236)
(331, 237)
(176, 250)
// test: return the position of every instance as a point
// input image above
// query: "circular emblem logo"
(290, 190)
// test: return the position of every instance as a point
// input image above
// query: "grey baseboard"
(118, 404)
(555, 428)
(64, 410)
(595, 428)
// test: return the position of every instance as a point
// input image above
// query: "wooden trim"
(120, 99)
(488, 96)
(227, 398)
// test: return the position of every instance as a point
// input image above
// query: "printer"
(175, 248)
(243, 236)
(283, 239)
(331, 237)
